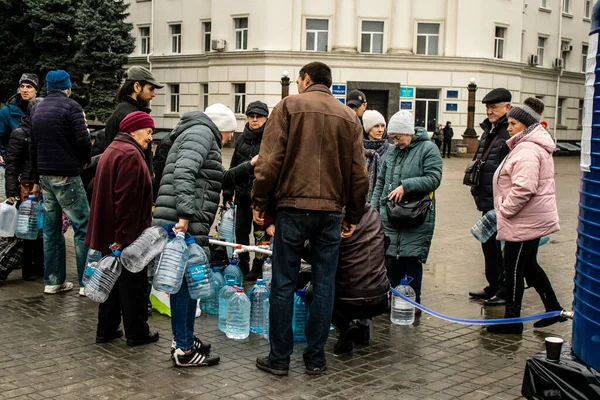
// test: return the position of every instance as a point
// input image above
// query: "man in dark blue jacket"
(60, 147)
(16, 107)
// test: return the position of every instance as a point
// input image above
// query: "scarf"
(521, 136)
(375, 151)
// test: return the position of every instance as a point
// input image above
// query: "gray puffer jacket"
(193, 177)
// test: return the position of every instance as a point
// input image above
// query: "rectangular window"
(241, 33)
(580, 117)
(499, 38)
(317, 34)
(587, 8)
(564, 54)
(204, 87)
(584, 51)
(206, 28)
(176, 38)
(174, 93)
(567, 6)
(428, 39)
(372, 37)
(145, 40)
(239, 98)
(561, 111)
(540, 49)
(427, 107)
(544, 4)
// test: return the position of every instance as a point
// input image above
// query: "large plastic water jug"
(486, 227)
(403, 313)
(198, 274)
(93, 257)
(211, 305)
(238, 316)
(267, 272)
(227, 228)
(267, 310)
(224, 295)
(106, 273)
(300, 318)
(8, 219)
(233, 271)
(258, 295)
(171, 267)
(27, 223)
(143, 249)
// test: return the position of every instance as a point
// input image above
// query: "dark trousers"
(292, 228)
(494, 267)
(32, 261)
(406, 266)
(243, 227)
(520, 262)
(129, 298)
(446, 146)
(345, 311)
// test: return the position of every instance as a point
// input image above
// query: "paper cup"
(553, 348)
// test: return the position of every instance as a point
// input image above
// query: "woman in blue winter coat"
(412, 170)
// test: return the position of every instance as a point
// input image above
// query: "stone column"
(346, 35)
(401, 29)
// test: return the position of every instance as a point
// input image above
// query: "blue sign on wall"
(451, 107)
(341, 99)
(406, 105)
(407, 92)
(452, 94)
(338, 90)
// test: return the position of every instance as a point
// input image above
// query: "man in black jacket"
(246, 147)
(495, 134)
(60, 147)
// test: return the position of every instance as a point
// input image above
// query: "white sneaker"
(52, 289)
(82, 292)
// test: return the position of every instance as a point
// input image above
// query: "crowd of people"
(359, 190)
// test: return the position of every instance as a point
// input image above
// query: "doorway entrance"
(378, 100)
(381, 96)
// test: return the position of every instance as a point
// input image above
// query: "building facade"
(418, 55)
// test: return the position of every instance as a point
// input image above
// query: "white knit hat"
(372, 118)
(402, 122)
(222, 117)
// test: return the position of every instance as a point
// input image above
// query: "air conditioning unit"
(566, 47)
(218, 45)
(533, 60)
(558, 63)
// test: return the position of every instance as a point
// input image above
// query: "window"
(580, 117)
(145, 40)
(206, 28)
(567, 6)
(544, 4)
(427, 106)
(174, 93)
(428, 38)
(204, 87)
(239, 98)
(564, 53)
(372, 37)
(561, 111)
(317, 32)
(241, 33)
(176, 38)
(499, 42)
(540, 49)
(587, 8)
(584, 51)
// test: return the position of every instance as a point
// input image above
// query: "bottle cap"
(31, 197)
(268, 259)
(234, 262)
(181, 235)
(260, 282)
(189, 240)
(239, 290)
(216, 269)
(301, 292)
(406, 280)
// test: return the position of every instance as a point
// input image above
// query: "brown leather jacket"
(311, 156)
(361, 269)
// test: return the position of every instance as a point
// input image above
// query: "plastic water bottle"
(485, 228)
(238, 316)
(211, 305)
(233, 271)
(8, 219)
(93, 257)
(143, 249)
(258, 295)
(103, 280)
(171, 266)
(267, 306)
(27, 223)
(224, 296)
(300, 316)
(198, 274)
(403, 313)
(41, 212)
(227, 228)
(267, 272)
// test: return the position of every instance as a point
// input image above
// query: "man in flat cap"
(492, 149)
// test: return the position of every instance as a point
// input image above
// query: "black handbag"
(473, 170)
(411, 210)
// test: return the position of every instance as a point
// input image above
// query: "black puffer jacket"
(160, 158)
(246, 147)
(194, 176)
(484, 193)
(18, 158)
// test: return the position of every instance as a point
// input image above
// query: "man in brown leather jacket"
(311, 164)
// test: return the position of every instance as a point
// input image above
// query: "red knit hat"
(136, 120)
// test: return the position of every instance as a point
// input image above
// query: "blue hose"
(466, 321)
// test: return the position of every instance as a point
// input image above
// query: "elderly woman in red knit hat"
(121, 210)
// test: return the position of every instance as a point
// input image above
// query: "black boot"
(542, 323)
(362, 334)
(344, 343)
(256, 271)
(512, 311)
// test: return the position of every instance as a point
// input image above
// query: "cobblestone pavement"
(47, 347)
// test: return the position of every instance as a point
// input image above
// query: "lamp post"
(285, 85)
(470, 136)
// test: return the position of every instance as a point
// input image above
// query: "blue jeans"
(323, 230)
(183, 317)
(63, 193)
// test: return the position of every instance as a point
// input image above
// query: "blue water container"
(586, 303)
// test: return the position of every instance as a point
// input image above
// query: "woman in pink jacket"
(525, 204)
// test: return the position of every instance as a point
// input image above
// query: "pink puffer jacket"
(524, 190)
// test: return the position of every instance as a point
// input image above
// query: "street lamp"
(285, 85)
(470, 136)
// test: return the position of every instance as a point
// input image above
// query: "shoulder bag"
(473, 170)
